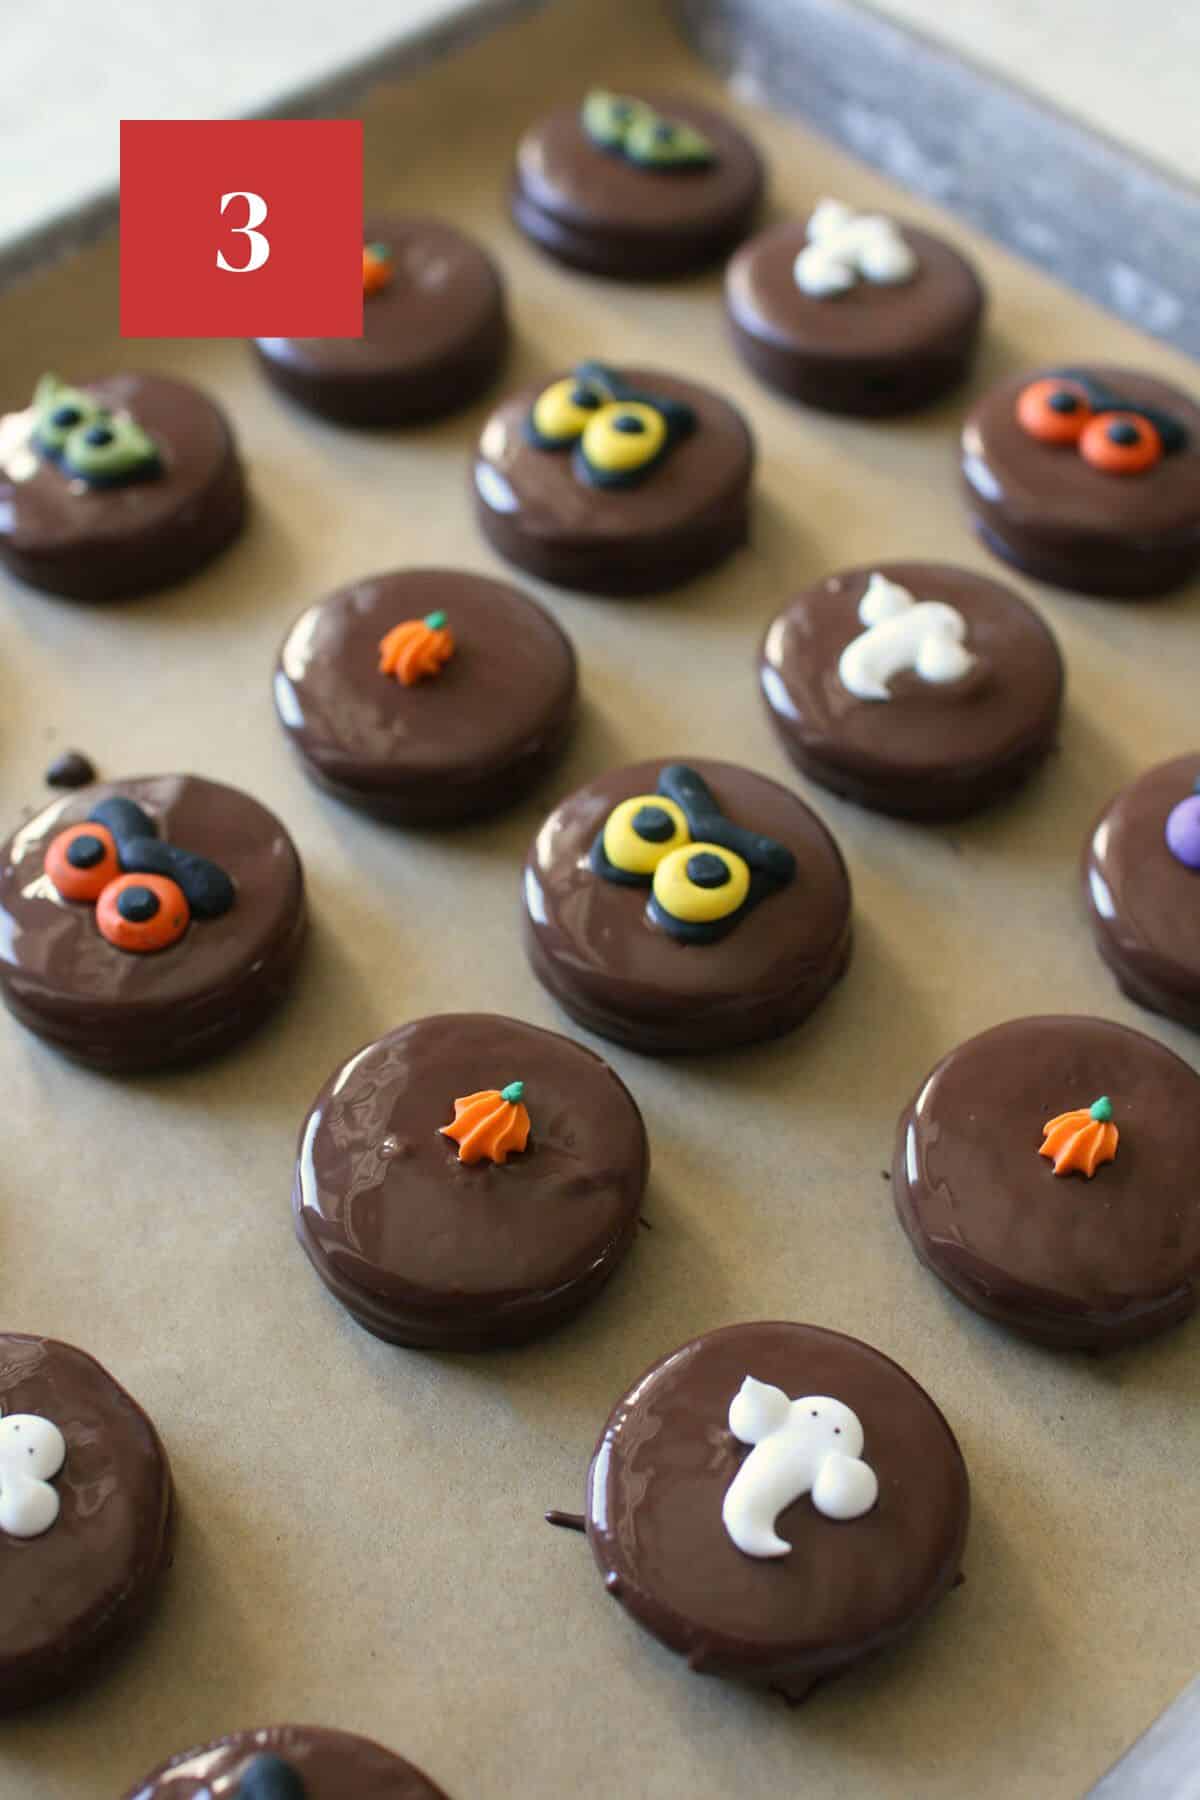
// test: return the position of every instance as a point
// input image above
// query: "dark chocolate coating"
(433, 339)
(70, 770)
(687, 515)
(593, 210)
(1044, 509)
(1144, 904)
(658, 1479)
(425, 1250)
(333, 1765)
(471, 739)
(932, 751)
(71, 1594)
(106, 543)
(123, 1012)
(592, 945)
(879, 348)
(1071, 1263)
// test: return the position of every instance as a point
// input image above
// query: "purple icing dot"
(1183, 831)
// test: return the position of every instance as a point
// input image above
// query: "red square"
(241, 228)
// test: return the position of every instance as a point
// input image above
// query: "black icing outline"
(678, 417)
(772, 866)
(207, 888)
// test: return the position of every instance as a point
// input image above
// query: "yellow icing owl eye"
(701, 883)
(641, 831)
(622, 438)
(562, 411)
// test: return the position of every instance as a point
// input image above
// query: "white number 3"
(260, 248)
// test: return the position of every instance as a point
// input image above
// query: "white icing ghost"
(809, 1446)
(845, 247)
(32, 1451)
(903, 633)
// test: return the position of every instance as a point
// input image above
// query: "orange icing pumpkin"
(1080, 1141)
(416, 648)
(377, 268)
(492, 1123)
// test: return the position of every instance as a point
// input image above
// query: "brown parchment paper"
(361, 1541)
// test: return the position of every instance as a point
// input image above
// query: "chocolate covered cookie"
(469, 1180)
(854, 312)
(435, 331)
(615, 481)
(913, 688)
(427, 696)
(1141, 879)
(117, 486)
(85, 1514)
(686, 907)
(287, 1762)
(775, 1502)
(151, 922)
(638, 187)
(1046, 1172)
(1088, 478)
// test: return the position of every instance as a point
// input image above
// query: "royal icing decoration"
(270, 1778)
(808, 1446)
(1080, 1141)
(1072, 409)
(1183, 830)
(643, 136)
(845, 247)
(492, 1123)
(926, 636)
(617, 434)
(416, 649)
(378, 268)
(32, 1451)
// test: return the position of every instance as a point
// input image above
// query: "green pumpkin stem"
(513, 1092)
(1101, 1110)
(435, 620)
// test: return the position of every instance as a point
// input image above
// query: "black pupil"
(621, 111)
(585, 396)
(654, 824)
(664, 133)
(1063, 401)
(1122, 431)
(706, 870)
(65, 417)
(137, 904)
(98, 434)
(85, 851)
(629, 423)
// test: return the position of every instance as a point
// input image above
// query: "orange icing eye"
(1081, 1140)
(1054, 410)
(1121, 443)
(82, 860)
(142, 913)
(492, 1123)
(416, 648)
(377, 268)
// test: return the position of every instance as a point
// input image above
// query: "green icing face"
(89, 442)
(646, 138)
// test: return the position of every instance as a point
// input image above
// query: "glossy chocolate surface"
(1143, 902)
(471, 739)
(1070, 1262)
(120, 1011)
(878, 348)
(103, 543)
(1043, 508)
(847, 1587)
(591, 944)
(426, 1250)
(688, 513)
(333, 1765)
(592, 209)
(433, 338)
(933, 750)
(69, 1594)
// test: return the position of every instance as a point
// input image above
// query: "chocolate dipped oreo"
(1045, 1171)
(916, 689)
(775, 1502)
(147, 923)
(427, 696)
(853, 312)
(435, 331)
(614, 481)
(85, 1515)
(637, 187)
(469, 1180)
(287, 1762)
(674, 906)
(1141, 880)
(117, 486)
(1088, 478)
